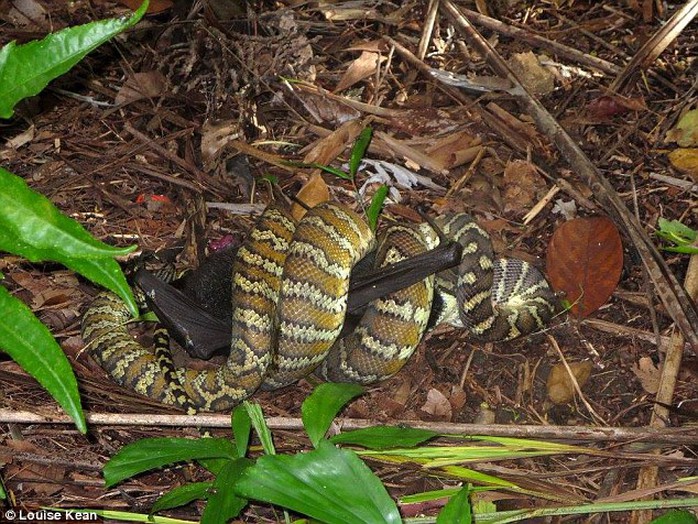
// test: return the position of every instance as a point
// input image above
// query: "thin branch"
(670, 436)
(672, 294)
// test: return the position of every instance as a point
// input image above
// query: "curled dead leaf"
(313, 192)
(147, 84)
(585, 260)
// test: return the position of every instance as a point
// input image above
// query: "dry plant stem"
(163, 152)
(665, 436)
(428, 31)
(672, 294)
(573, 379)
(651, 49)
(648, 475)
(523, 35)
(621, 330)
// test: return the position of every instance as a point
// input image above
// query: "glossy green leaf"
(29, 217)
(676, 517)
(32, 227)
(676, 232)
(242, 426)
(260, 426)
(223, 504)
(457, 510)
(31, 345)
(214, 465)
(374, 210)
(359, 150)
(151, 453)
(685, 250)
(329, 484)
(26, 69)
(384, 437)
(322, 405)
(182, 495)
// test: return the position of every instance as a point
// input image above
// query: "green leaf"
(32, 227)
(322, 405)
(384, 437)
(374, 210)
(329, 484)
(457, 510)
(31, 345)
(260, 426)
(214, 465)
(676, 517)
(332, 170)
(30, 218)
(151, 453)
(242, 426)
(26, 69)
(182, 495)
(358, 151)
(686, 250)
(223, 504)
(676, 232)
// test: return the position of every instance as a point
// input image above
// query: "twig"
(672, 294)
(651, 49)
(575, 384)
(538, 41)
(648, 475)
(671, 436)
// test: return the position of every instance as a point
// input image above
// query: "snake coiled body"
(290, 286)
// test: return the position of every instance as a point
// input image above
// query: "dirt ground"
(199, 105)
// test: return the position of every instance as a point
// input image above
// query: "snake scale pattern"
(290, 286)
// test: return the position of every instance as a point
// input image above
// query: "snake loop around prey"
(289, 293)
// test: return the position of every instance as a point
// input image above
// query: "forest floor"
(144, 139)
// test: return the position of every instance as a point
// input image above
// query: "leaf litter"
(196, 91)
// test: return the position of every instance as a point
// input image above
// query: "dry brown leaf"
(457, 397)
(585, 260)
(328, 148)
(685, 159)
(537, 79)
(523, 186)
(606, 107)
(141, 85)
(314, 192)
(325, 109)
(559, 384)
(437, 405)
(362, 67)
(215, 136)
(455, 149)
(648, 374)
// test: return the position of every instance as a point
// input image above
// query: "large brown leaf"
(584, 260)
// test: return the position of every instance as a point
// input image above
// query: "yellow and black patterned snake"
(290, 285)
